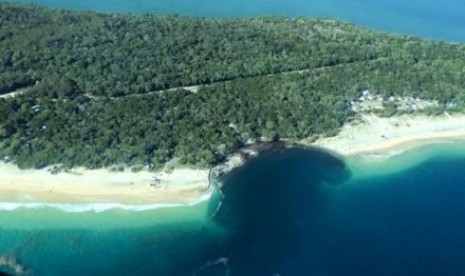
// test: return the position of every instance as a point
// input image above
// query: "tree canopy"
(102, 89)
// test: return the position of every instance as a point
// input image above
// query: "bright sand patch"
(182, 186)
(372, 134)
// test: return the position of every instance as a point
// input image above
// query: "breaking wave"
(97, 207)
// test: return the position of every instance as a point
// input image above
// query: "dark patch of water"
(268, 201)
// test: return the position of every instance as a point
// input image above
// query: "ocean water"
(286, 212)
(434, 19)
(51, 241)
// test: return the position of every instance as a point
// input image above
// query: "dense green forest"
(104, 89)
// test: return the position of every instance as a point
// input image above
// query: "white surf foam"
(97, 207)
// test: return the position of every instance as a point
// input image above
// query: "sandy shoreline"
(372, 134)
(181, 186)
(107, 189)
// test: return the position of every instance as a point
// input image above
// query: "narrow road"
(196, 88)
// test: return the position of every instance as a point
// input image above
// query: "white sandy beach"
(102, 186)
(372, 134)
(180, 186)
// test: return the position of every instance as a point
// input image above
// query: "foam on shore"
(97, 207)
(100, 190)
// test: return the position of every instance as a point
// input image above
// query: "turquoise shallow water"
(425, 18)
(49, 241)
(288, 212)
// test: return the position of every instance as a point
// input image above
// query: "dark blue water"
(409, 223)
(295, 214)
(437, 19)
